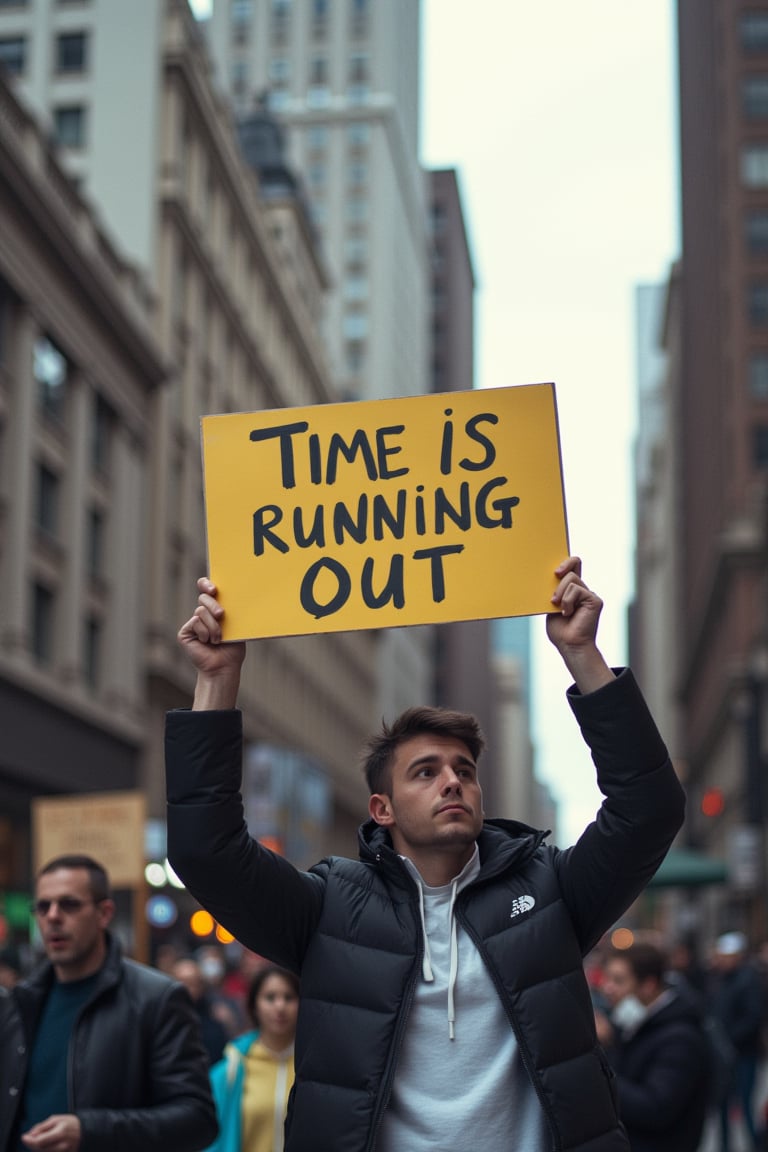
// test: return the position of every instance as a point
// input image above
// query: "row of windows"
(70, 53)
(48, 517)
(43, 634)
(52, 374)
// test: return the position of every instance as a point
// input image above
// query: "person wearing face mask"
(252, 1082)
(655, 1040)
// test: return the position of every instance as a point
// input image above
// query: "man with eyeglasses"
(100, 1051)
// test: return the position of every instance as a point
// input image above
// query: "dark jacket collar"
(503, 844)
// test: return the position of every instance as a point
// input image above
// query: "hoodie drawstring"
(426, 963)
(454, 965)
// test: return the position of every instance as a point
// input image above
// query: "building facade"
(80, 368)
(232, 316)
(711, 474)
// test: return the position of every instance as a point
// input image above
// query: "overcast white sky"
(561, 119)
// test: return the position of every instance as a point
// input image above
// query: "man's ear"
(380, 809)
(106, 912)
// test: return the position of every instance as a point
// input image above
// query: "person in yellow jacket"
(252, 1081)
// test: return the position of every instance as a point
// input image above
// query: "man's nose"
(451, 781)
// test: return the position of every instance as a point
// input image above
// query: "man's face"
(71, 924)
(618, 981)
(436, 803)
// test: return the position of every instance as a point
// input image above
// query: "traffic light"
(713, 802)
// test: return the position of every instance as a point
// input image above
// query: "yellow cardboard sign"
(383, 513)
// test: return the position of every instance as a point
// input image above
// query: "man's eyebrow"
(435, 757)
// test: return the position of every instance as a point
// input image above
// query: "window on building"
(242, 12)
(47, 512)
(754, 166)
(239, 77)
(319, 19)
(43, 611)
(13, 54)
(281, 14)
(102, 435)
(50, 370)
(760, 445)
(355, 326)
(356, 287)
(69, 125)
(94, 543)
(358, 135)
(317, 137)
(356, 210)
(316, 177)
(754, 31)
(358, 82)
(318, 90)
(754, 91)
(758, 304)
(756, 233)
(318, 71)
(361, 13)
(354, 353)
(279, 70)
(92, 630)
(758, 376)
(71, 52)
(355, 252)
(357, 172)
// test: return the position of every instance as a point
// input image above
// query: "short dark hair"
(98, 880)
(258, 980)
(645, 959)
(379, 751)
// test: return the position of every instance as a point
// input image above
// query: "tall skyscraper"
(343, 80)
(719, 410)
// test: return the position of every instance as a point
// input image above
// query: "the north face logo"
(521, 904)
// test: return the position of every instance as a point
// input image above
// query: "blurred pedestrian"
(213, 1033)
(228, 1009)
(252, 1083)
(443, 999)
(655, 1041)
(737, 1002)
(102, 1052)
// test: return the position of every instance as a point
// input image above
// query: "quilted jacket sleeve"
(258, 896)
(643, 808)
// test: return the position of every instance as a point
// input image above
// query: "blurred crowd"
(687, 1039)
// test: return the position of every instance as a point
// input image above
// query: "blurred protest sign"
(384, 513)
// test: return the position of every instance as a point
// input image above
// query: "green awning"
(687, 868)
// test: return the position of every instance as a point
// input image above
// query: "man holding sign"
(444, 1003)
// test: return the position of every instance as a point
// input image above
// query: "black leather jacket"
(138, 1073)
(353, 932)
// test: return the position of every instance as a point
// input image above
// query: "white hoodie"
(460, 1082)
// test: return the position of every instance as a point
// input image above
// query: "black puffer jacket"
(352, 930)
(138, 1073)
(663, 1072)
